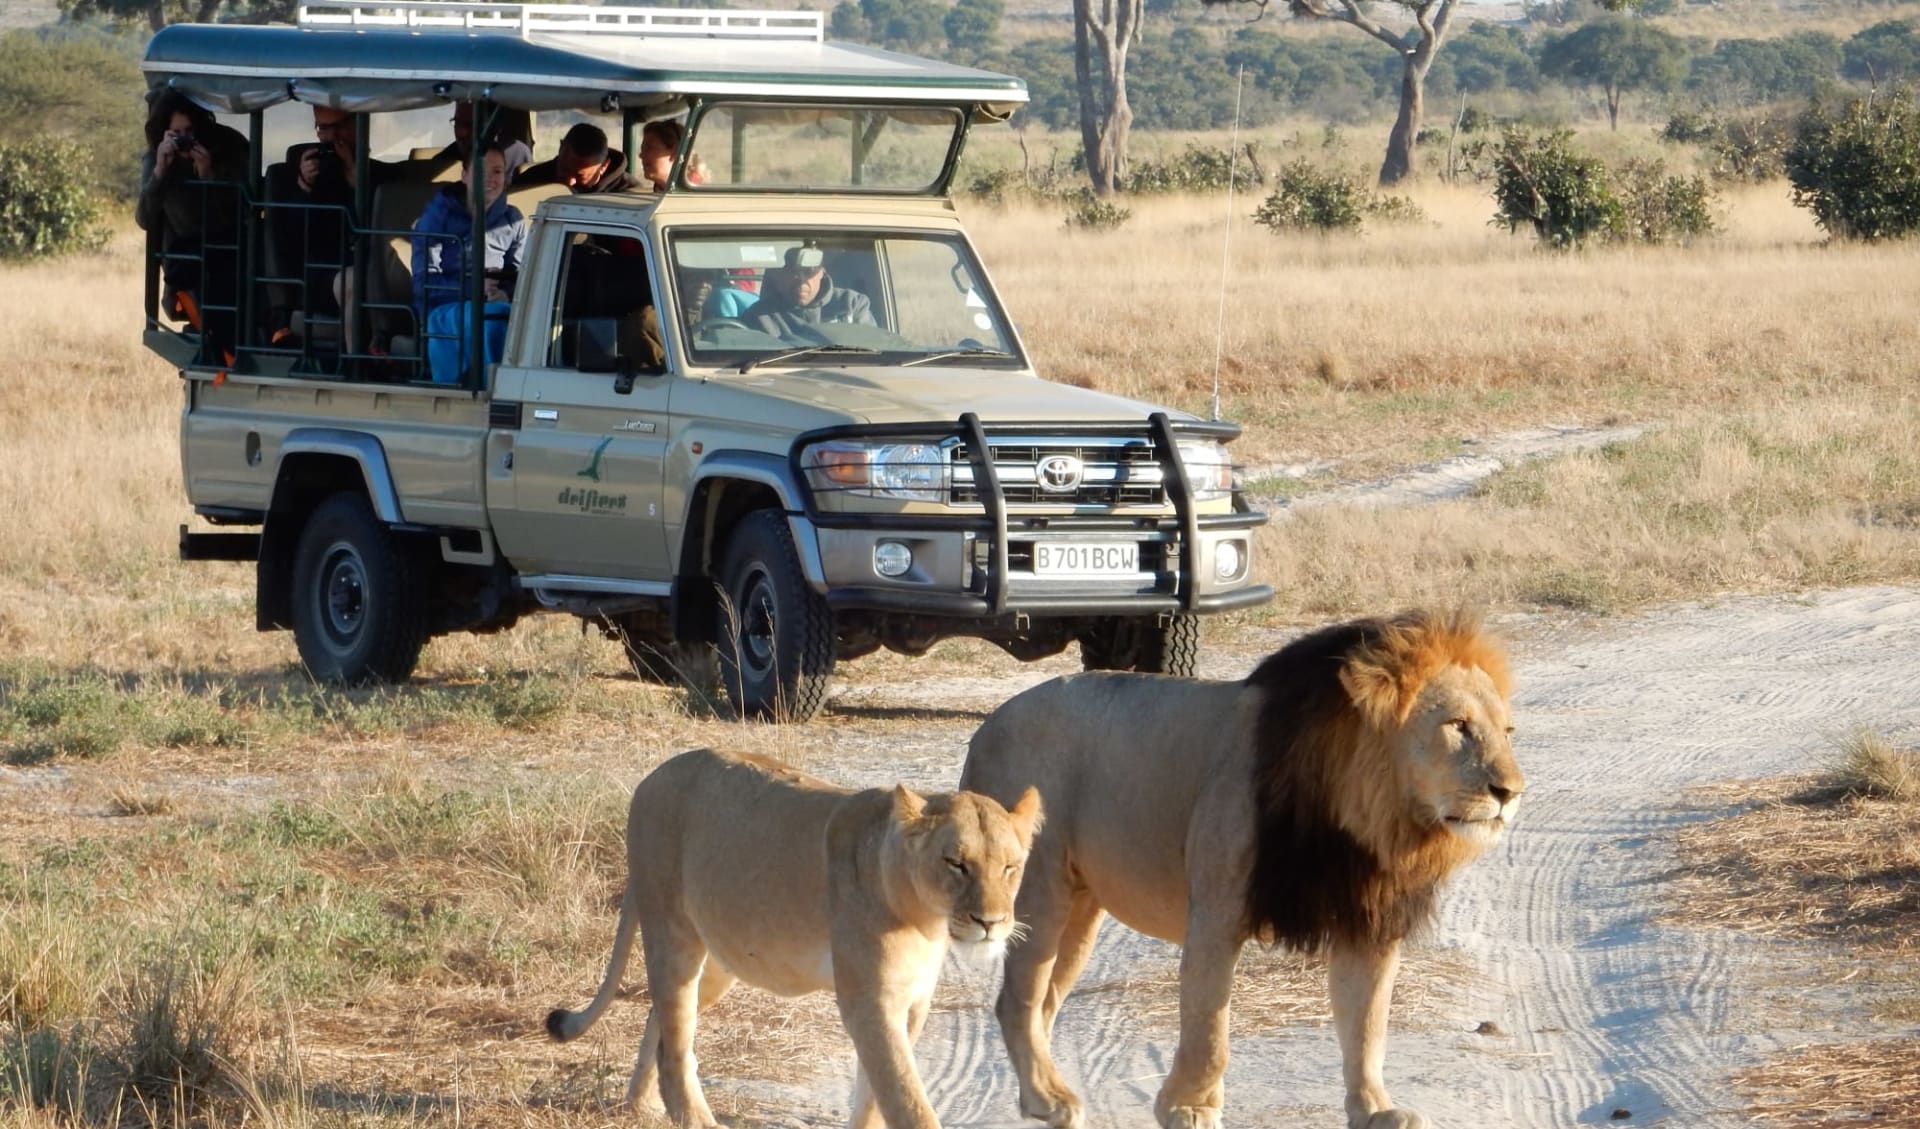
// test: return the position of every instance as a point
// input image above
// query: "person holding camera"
(189, 193)
(313, 241)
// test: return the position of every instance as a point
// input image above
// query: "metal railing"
(265, 285)
(576, 19)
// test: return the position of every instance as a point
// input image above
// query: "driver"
(801, 293)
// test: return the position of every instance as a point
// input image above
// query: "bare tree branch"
(1358, 17)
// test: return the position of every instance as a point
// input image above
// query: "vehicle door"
(577, 489)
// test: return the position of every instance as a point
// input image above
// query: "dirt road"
(1601, 1008)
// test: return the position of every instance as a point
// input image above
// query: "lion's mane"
(1338, 857)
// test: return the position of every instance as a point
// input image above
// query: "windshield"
(836, 298)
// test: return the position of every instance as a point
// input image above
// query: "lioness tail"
(563, 1025)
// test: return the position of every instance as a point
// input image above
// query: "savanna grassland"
(226, 893)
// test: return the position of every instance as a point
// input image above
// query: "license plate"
(1084, 558)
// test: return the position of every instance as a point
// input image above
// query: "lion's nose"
(987, 923)
(1501, 793)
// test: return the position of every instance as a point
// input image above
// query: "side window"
(603, 278)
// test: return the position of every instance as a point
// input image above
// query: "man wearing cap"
(585, 164)
(800, 293)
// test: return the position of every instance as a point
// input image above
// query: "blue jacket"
(438, 263)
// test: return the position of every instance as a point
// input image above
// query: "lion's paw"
(1392, 1119)
(1063, 1112)
(1190, 1117)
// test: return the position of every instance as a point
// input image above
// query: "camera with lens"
(183, 140)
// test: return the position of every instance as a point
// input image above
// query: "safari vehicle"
(750, 498)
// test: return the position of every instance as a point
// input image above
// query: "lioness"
(1317, 804)
(740, 869)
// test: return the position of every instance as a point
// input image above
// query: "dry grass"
(1834, 858)
(1873, 769)
(1811, 859)
(421, 873)
(1837, 1086)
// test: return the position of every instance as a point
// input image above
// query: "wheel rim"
(758, 612)
(343, 594)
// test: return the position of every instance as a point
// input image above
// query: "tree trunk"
(1398, 164)
(1613, 108)
(1106, 119)
(157, 15)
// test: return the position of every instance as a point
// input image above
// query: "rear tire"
(776, 633)
(1147, 645)
(359, 596)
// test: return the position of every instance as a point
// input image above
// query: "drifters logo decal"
(592, 501)
(592, 469)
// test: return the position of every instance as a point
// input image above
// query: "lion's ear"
(1027, 816)
(907, 804)
(1383, 698)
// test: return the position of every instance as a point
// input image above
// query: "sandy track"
(1602, 1007)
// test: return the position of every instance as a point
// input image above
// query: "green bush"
(1307, 198)
(1089, 212)
(1750, 147)
(1656, 207)
(1856, 167)
(1395, 209)
(1198, 169)
(1690, 127)
(1564, 196)
(45, 208)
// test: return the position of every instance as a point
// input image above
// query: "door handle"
(549, 415)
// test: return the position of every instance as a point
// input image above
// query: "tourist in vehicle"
(659, 141)
(513, 127)
(800, 293)
(197, 221)
(313, 244)
(442, 243)
(585, 165)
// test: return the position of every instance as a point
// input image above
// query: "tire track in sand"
(1604, 1007)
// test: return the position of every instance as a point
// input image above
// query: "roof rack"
(592, 19)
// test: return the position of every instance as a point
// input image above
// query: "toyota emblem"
(1059, 473)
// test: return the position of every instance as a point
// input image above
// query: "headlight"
(914, 472)
(1209, 470)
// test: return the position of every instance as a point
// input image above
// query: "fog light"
(1227, 560)
(892, 558)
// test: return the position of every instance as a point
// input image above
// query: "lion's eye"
(1509, 730)
(1462, 724)
(1008, 873)
(957, 865)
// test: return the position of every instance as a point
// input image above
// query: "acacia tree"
(1416, 48)
(1617, 55)
(1103, 32)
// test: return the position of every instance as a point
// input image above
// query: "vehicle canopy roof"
(380, 57)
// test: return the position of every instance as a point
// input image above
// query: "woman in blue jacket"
(442, 239)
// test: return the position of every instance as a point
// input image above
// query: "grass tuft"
(1871, 767)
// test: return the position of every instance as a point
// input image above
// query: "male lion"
(1318, 804)
(739, 868)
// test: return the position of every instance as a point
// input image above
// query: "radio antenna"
(1226, 239)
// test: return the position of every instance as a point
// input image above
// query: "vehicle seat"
(528, 198)
(396, 206)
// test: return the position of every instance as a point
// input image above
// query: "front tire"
(1148, 645)
(359, 597)
(776, 633)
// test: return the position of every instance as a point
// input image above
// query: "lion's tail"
(565, 1026)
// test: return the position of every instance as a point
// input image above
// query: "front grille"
(1121, 473)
